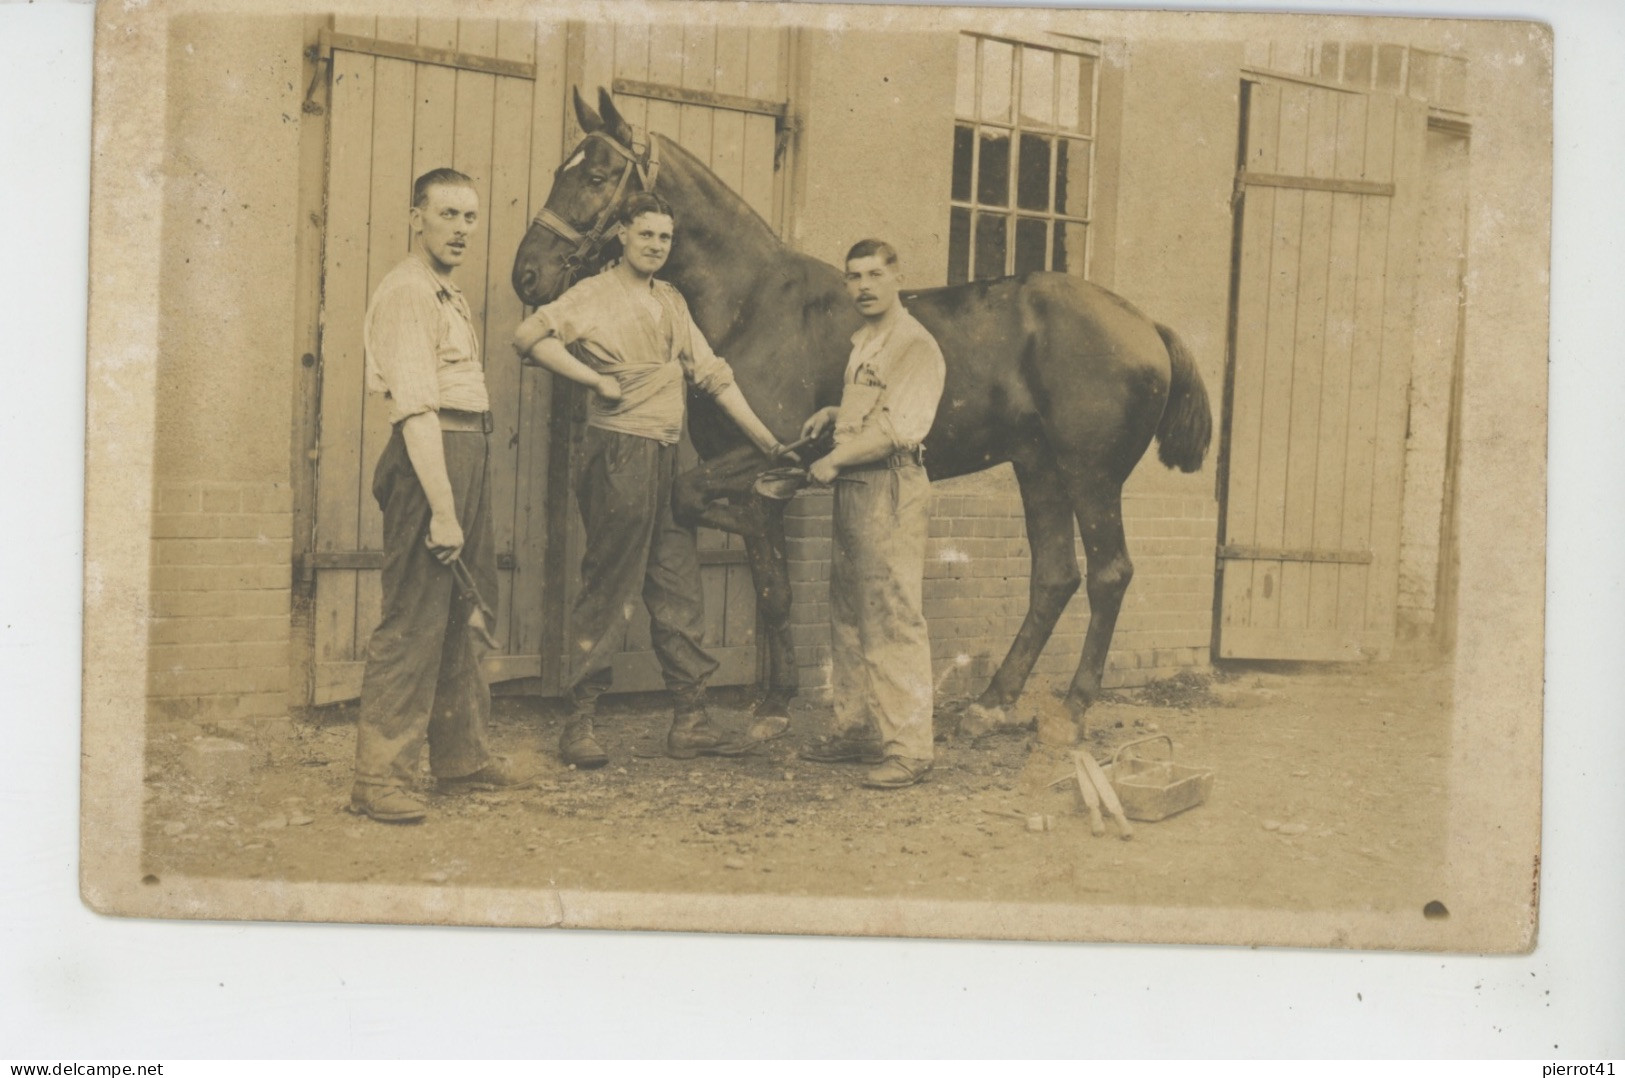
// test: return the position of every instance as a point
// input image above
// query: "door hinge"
(321, 60)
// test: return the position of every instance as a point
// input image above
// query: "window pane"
(965, 97)
(964, 142)
(1032, 173)
(958, 246)
(1077, 77)
(990, 245)
(1037, 87)
(1072, 178)
(1067, 74)
(998, 64)
(1071, 241)
(993, 173)
(1031, 235)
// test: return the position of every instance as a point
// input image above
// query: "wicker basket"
(1153, 789)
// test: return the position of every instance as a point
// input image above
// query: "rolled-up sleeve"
(569, 318)
(908, 405)
(403, 332)
(708, 371)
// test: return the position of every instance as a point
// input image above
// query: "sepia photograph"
(901, 471)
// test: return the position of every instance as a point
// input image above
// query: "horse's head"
(567, 240)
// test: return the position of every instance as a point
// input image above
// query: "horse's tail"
(1187, 420)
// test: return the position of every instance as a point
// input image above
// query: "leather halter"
(590, 243)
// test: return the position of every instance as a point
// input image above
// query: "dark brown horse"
(1062, 379)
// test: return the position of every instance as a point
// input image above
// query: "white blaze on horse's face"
(872, 284)
(445, 223)
(646, 242)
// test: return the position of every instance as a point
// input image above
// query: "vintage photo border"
(1496, 740)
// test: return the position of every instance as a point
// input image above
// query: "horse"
(1058, 377)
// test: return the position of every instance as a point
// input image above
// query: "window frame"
(1085, 49)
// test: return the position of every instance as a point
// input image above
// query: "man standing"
(639, 349)
(881, 651)
(423, 680)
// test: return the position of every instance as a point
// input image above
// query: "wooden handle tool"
(1091, 796)
(1108, 796)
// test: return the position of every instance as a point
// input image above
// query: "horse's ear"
(613, 123)
(589, 120)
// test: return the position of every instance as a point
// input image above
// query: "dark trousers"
(423, 680)
(623, 487)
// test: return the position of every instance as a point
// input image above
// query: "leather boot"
(694, 734)
(577, 745)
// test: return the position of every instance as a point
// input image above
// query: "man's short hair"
(872, 248)
(641, 203)
(439, 177)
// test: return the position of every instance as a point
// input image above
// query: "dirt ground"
(1329, 793)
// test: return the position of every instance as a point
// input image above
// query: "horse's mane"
(713, 189)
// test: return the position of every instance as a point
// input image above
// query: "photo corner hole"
(149, 879)
(1435, 911)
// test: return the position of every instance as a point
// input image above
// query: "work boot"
(846, 747)
(896, 773)
(694, 734)
(578, 747)
(386, 804)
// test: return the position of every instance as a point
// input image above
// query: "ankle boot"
(578, 746)
(694, 734)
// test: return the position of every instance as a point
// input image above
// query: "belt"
(472, 422)
(903, 458)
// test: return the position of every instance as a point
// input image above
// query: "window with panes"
(1024, 147)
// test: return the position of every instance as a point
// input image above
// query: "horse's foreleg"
(770, 573)
(1099, 507)
(720, 494)
(1052, 582)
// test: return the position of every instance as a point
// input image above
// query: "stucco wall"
(1435, 341)
(875, 156)
(222, 523)
(226, 346)
(1178, 152)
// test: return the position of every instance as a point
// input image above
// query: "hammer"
(480, 618)
(788, 452)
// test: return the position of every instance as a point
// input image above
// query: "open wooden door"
(408, 95)
(1328, 191)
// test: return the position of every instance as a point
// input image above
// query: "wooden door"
(1327, 197)
(722, 93)
(408, 95)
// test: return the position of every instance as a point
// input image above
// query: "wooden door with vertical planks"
(408, 95)
(1328, 192)
(722, 94)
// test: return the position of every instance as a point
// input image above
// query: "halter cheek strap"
(588, 244)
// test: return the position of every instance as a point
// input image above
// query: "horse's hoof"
(979, 721)
(1078, 707)
(768, 727)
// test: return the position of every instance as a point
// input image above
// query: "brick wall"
(976, 577)
(221, 577)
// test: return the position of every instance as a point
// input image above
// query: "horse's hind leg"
(1052, 582)
(1098, 504)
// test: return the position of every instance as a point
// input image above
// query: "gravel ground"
(1329, 793)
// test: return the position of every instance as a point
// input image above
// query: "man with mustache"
(881, 652)
(423, 681)
(635, 345)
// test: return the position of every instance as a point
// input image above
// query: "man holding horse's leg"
(880, 647)
(423, 681)
(638, 350)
